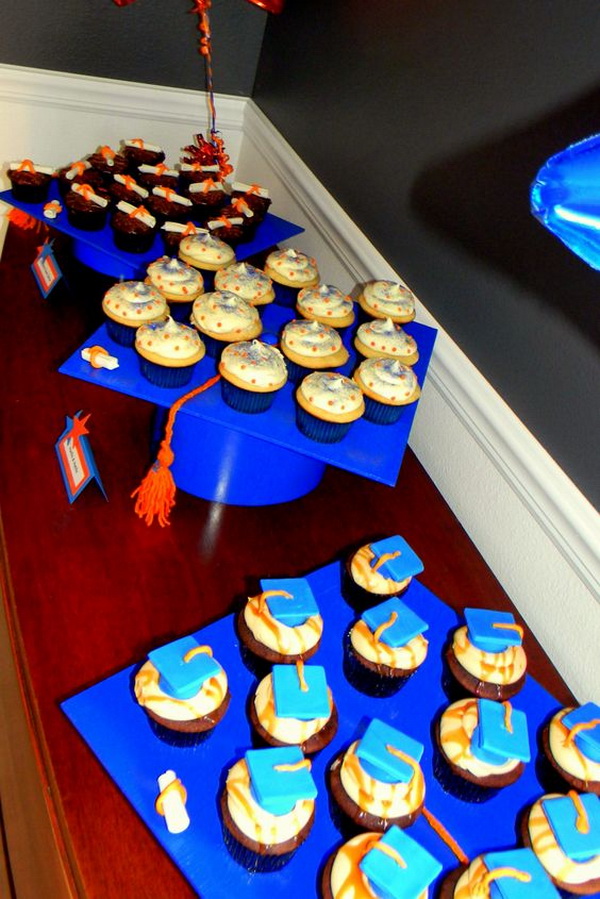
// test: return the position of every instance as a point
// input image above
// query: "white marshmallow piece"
(176, 816)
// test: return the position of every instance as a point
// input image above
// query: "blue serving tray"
(117, 731)
(97, 248)
(374, 451)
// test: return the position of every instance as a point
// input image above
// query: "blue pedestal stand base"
(216, 463)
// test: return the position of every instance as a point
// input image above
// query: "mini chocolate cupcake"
(168, 352)
(377, 782)
(108, 163)
(373, 865)
(255, 196)
(388, 299)
(227, 228)
(388, 387)
(183, 690)
(518, 871)
(282, 624)
(564, 833)
(376, 571)
(125, 188)
(158, 176)
(486, 656)
(134, 229)
(140, 152)
(85, 208)
(482, 746)
(29, 182)
(571, 745)
(166, 205)
(267, 807)
(252, 373)
(80, 172)
(293, 706)
(238, 206)
(206, 196)
(384, 648)
(382, 338)
(173, 233)
(327, 406)
(196, 172)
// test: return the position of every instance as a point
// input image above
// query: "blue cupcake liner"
(124, 335)
(318, 430)
(164, 376)
(286, 296)
(180, 312)
(381, 413)
(214, 347)
(245, 400)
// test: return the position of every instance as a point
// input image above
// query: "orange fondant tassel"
(156, 493)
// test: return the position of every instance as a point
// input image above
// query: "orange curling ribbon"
(96, 351)
(445, 835)
(174, 787)
(155, 497)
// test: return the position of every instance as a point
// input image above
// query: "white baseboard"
(534, 528)
(536, 531)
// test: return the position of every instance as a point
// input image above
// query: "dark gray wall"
(428, 121)
(151, 41)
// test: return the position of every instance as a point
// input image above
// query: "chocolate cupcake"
(376, 571)
(486, 656)
(267, 807)
(206, 196)
(158, 176)
(134, 228)
(125, 188)
(140, 152)
(80, 172)
(108, 163)
(384, 648)
(29, 182)
(482, 747)
(293, 706)
(85, 208)
(255, 196)
(227, 228)
(183, 690)
(377, 782)
(371, 865)
(571, 745)
(564, 833)
(166, 205)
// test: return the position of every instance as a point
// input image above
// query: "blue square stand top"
(117, 731)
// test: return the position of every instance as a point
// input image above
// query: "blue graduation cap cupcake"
(384, 648)
(379, 570)
(564, 833)
(512, 874)
(268, 807)
(377, 782)
(183, 689)
(571, 743)
(486, 656)
(281, 625)
(392, 866)
(294, 706)
(482, 747)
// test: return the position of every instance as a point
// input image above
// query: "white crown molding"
(105, 96)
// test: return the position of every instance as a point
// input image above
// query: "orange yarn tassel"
(156, 493)
(26, 222)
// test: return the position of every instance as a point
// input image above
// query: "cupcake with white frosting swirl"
(388, 386)
(206, 253)
(326, 304)
(251, 374)
(179, 283)
(291, 271)
(129, 304)
(327, 406)
(388, 299)
(222, 318)
(168, 352)
(247, 282)
(383, 338)
(310, 345)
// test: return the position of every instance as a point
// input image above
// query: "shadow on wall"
(480, 199)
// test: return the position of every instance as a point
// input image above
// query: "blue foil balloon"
(565, 197)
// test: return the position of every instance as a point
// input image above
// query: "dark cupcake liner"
(181, 739)
(343, 823)
(319, 430)
(30, 193)
(87, 221)
(246, 400)
(452, 688)
(124, 335)
(370, 682)
(253, 862)
(163, 376)
(457, 786)
(381, 413)
(359, 598)
(134, 243)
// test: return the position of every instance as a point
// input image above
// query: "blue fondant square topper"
(534, 883)
(577, 842)
(492, 631)
(501, 733)
(399, 878)
(300, 695)
(588, 739)
(404, 628)
(403, 562)
(378, 752)
(295, 602)
(279, 778)
(182, 667)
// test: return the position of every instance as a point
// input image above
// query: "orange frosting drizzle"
(445, 835)
(506, 626)
(583, 822)
(386, 557)
(174, 787)
(391, 852)
(384, 626)
(295, 766)
(195, 651)
(483, 887)
(26, 165)
(300, 673)
(508, 717)
(577, 728)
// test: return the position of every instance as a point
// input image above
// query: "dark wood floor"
(93, 587)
